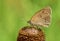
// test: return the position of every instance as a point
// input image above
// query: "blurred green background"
(14, 15)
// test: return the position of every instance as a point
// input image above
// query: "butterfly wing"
(42, 17)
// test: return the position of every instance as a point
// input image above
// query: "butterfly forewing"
(42, 17)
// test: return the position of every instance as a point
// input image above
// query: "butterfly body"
(42, 17)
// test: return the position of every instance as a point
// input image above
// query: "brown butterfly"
(42, 17)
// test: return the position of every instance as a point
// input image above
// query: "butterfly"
(42, 17)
